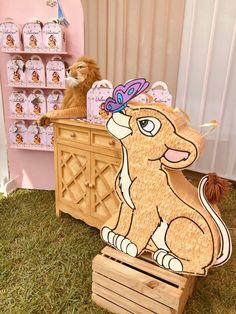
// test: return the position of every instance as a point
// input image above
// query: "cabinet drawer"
(103, 139)
(74, 134)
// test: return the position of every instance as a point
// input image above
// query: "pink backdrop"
(34, 169)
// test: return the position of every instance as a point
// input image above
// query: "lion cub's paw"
(132, 249)
(105, 234)
(167, 260)
(126, 246)
(122, 244)
(109, 236)
(118, 241)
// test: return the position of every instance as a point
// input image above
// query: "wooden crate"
(122, 284)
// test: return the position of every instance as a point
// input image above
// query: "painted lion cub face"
(156, 134)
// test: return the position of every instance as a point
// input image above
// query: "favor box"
(49, 136)
(32, 36)
(142, 98)
(18, 134)
(10, 34)
(159, 92)
(16, 72)
(18, 105)
(54, 100)
(55, 71)
(36, 136)
(53, 37)
(1, 34)
(35, 72)
(96, 96)
(36, 104)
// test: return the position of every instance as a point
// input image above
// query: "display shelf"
(43, 53)
(22, 118)
(34, 148)
(36, 87)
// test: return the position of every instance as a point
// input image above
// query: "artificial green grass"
(45, 262)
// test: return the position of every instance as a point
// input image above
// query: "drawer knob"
(73, 135)
(91, 185)
(111, 142)
(152, 284)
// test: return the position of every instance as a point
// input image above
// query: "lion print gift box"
(55, 71)
(96, 96)
(32, 36)
(54, 100)
(18, 104)
(35, 72)
(53, 37)
(16, 71)
(49, 136)
(36, 104)
(36, 135)
(18, 134)
(10, 37)
(159, 92)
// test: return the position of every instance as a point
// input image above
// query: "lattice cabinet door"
(73, 178)
(104, 202)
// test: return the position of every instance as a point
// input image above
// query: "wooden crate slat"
(131, 294)
(173, 278)
(136, 280)
(118, 299)
(112, 307)
(186, 293)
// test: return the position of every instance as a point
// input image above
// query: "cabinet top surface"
(78, 123)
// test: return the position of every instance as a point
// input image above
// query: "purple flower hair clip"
(124, 93)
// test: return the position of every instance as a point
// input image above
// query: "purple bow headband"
(123, 93)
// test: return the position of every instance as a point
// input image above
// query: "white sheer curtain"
(207, 77)
(135, 38)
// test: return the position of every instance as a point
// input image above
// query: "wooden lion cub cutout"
(160, 210)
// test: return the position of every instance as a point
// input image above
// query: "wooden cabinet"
(87, 159)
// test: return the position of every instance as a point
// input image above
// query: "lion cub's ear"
(180, 151)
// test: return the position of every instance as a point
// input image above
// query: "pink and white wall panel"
(207, 76)
(35, 169)
(4, 175)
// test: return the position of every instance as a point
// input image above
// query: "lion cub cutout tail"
(160, 210)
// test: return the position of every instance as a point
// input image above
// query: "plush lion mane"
(74, 101)
(82, 89)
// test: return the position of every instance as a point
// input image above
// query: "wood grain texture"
(86, 163)
(157, 202)
(137, 286)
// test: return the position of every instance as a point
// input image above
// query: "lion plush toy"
(81, 75)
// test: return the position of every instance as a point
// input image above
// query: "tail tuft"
(216, 188)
